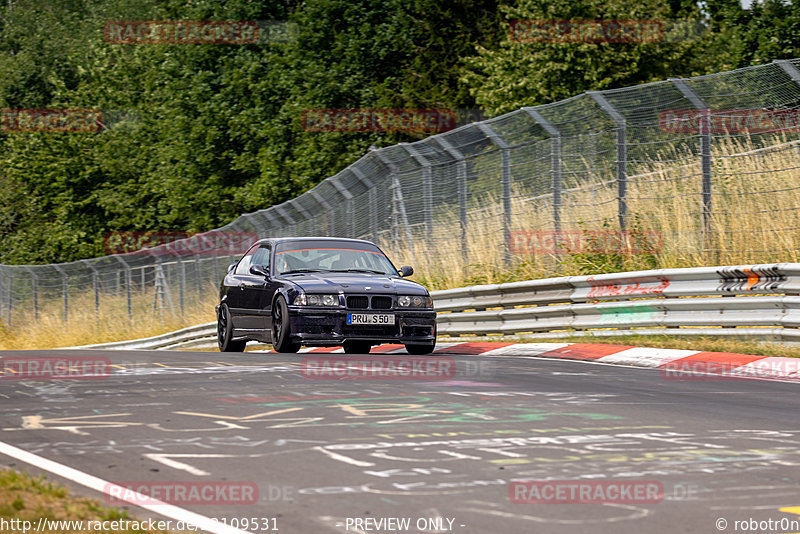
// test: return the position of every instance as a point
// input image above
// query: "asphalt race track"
(441, 453)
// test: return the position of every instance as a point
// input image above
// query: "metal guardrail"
(744, 300)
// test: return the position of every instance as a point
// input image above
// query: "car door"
(237, 294)
(258, 291)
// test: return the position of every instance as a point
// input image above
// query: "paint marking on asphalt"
(119, 492)
(343, 458)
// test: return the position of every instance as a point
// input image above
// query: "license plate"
(370, 318)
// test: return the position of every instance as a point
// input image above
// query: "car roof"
(321, 238)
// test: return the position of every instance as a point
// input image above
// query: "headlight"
(305, 299)
(408, 301)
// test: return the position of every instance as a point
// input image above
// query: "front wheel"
(281, 333)
(225, 332)
(420, 349)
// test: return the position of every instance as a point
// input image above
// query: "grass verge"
(27, 498)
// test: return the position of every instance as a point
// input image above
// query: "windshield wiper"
(371, 271)
(295, 271)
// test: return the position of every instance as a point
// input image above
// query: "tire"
(418, 350)
(357, 347)
(225, 332)
(281, 334)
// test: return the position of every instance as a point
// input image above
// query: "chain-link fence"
(683, 172)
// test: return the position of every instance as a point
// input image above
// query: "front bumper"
(327, 327)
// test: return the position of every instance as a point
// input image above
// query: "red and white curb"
(674, 363)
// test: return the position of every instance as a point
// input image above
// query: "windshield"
(331, 256)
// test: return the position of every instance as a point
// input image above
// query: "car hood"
(355, 283)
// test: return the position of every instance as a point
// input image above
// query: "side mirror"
(259, 270)
(231, 266)
(406, 270)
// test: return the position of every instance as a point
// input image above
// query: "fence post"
(461, 176)
(292, 223)
(10, 289)
(325, 205)
(348, 200)
(65, 287)
(127, 284)
(556, 170)
(705, 154)
(95, 286)
(427, 188)
(789, 68)
(505, 179)
(622, 156)
(397, 199)
(182, 279)
(35, 288)
(370, 185)
(271, 222)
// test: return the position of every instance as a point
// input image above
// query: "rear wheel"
(281, 333)
(225, 332)
(420, 349)
(357, 347)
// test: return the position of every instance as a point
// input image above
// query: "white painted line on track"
(137, 499)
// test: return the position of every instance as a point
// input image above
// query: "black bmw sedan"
(325, 292)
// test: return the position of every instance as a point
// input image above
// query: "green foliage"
(195, 135)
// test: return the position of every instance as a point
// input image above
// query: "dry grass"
(84, 326)
(756, 219)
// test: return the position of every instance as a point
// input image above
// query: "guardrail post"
(35, 288)
(505, 180)
(622, 155)
(427, 192)
(65, 288)
(398, 204)
(95, 286)
(461, 177)
(556, 170)
(705, 154)
(127, 284)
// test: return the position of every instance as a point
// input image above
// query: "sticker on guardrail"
(739, 279)
(647, 285)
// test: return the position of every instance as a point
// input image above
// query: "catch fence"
(698, 171)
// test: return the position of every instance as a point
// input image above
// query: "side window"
(246, 261)
(261, 257)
